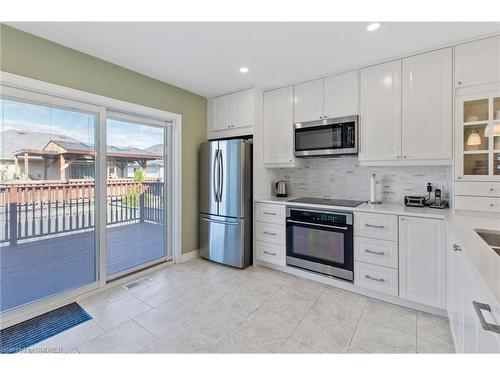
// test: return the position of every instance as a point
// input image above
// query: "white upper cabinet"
(381, 112)
(243, 108)
(427, 106)
(477, 63)
(422, 261)
(308, 101)
(231, 112)
(278, 127)
(222, 112)
(341, 93)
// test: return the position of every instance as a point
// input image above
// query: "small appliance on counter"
(281, 189)
(422, 201)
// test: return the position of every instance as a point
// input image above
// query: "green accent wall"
(30, 56)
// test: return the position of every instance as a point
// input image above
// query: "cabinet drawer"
(270, 213)
(384, 227)
(378, 278)
(273, 233)
(477, 203)
(484, 189)
(379, 252)
(271, 253)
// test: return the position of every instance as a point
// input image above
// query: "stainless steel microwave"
(327, 137)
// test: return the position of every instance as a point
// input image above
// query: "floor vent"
(135, 284)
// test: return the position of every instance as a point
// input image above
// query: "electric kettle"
(281, 188)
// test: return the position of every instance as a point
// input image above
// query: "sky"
(37, 118)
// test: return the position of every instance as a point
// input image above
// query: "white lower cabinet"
(270, 233)
(375, 251)
(380, 279)
(270, 252)
(422, 260)
(465, 290)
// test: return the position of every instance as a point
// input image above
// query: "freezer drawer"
(223, 240)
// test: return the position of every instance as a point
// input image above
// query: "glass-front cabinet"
(478, 133)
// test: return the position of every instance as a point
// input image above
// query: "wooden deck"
(34, 270)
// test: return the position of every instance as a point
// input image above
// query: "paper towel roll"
(373, 193)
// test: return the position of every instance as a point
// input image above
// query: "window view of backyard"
(48, 203)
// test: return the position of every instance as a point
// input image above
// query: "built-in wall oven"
(327, 137)
(320, 241)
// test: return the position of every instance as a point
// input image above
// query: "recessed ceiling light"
(373, 26)
(244, 69)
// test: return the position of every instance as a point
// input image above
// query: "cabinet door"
(222, 112)
(278, 126)
(381, 112)
(341, 95)
(422, 261)
(308, 100)
(454, 292)
(427, 106)
(477, 63)
(243, 109)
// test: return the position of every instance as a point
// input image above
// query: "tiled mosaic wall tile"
(344, 178)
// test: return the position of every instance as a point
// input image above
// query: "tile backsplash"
(344, 178)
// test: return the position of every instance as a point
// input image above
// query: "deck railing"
(42, 208)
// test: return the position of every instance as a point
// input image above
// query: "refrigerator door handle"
(221, 173)
(215, 187)
(220, 221)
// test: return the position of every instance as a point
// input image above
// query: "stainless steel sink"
(491, 237)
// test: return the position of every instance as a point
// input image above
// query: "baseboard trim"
(186, 257)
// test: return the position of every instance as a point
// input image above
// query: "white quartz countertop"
(462, 225)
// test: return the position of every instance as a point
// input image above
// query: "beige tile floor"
(202, 307)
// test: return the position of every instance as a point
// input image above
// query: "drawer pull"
(269, 213)
(374, 278)
(375, 226)
(486, 326)
(491, 189)
(374, 252)
(269, 253)
(456, 247)
(269, 233)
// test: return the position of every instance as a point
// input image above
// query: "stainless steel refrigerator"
(226, 202)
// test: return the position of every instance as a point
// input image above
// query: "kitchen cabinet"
(406, 109)
(380, 120)
(454, 291)
(308, 101)
(427, 106)
(331, 97)
(270, 233)
(278, 127)
(422, 260)
(233, 111)
(477, 63)
(341, 95)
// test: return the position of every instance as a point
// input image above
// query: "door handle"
(215, 184)
(375, 226)
(374, 252)
(219, 221)
(221, 173)
(374, 278)
(486, 326)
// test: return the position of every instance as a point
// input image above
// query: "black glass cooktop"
(328, 202)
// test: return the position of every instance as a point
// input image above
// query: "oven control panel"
(320, 217)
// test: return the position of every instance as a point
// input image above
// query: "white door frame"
(67, 97)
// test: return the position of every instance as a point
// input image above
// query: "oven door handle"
(316, 225)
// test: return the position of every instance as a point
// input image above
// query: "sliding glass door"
(47, 199)
(136, 193)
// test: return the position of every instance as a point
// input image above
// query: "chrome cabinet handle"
(375, 226)
(374, 278)
(268, 253)
(374, 252)
(269, 233)
(456, 247)
(270, 213)
(486, 326)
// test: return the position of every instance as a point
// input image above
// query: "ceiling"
(205, 57)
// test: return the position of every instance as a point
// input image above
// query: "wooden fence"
(37, 209)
